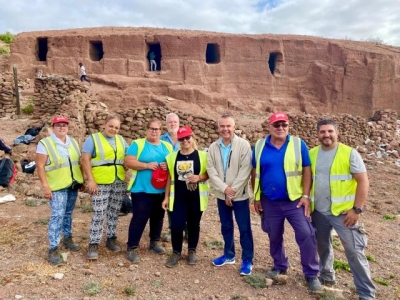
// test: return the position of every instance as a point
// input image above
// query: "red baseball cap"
(159, 178)
(59, 119)
(278, 116)
(184, 132)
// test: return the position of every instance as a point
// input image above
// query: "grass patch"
(392, 276)
(214, 244)
(87, 207)
(381, 281)
(371, 258)
(340, 265)
(130, 290)
(156, 283)
(327, 295)
(28, 109)
(5, 51)
(256, 280)
(336, 244)
(43, 221)
(31, 203)
(92, 288)
(12, 234)
(389, 217)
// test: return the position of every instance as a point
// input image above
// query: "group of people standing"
(316, 191)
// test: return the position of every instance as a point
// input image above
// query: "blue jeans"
(242, 216)
(273, 222)
(61, 207)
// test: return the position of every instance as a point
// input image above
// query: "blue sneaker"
(246, 268)
(223, 260)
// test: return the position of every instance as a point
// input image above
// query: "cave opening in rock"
(212, 54)
(41, 46)
(156, 49)
(274, 58)
(96, 50)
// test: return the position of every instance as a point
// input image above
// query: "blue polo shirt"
(167, 138)
(225, 152)
(272, 174)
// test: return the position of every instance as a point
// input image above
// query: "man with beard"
(171, 137)
(281, 181)
(338, 194)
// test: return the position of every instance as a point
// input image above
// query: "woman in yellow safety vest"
(102, 162)
(186, 194)
(57, 164)
(146, 158)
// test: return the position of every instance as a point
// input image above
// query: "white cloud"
(356, 19)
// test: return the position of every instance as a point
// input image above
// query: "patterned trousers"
(107, 201)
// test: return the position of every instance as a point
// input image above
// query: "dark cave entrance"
(96, 52)
(42, 48)
(212, 54)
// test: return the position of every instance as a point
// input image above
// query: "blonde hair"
(193, 143)
(153, 120)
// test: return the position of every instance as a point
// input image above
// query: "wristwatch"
(357, 210)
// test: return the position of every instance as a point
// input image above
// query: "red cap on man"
(59, 119)
(278, 116)
(184, 132)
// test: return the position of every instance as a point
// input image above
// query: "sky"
(339, 19)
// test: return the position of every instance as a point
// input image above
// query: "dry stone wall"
(8, 106)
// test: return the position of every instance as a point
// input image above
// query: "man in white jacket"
(228, 168)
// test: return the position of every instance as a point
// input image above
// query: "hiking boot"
(274, 272)
(70, 245)
(246, 268)
(192, 259)
(314, 284)
(156, 247)
(167, 237)
(54, 257)
(133, 255)
(223, 260)
(327, 282)
(93, 252)
(173, 260)
(112, 245)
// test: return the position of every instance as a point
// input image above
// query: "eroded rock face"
(259, 73)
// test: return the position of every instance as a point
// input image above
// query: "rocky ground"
(26, 274)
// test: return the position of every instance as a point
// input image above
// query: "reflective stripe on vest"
(292, 166)
(58, 171)
(102, 155)
(342, 184)
(204, 186)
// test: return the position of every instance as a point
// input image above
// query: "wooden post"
(16, 90)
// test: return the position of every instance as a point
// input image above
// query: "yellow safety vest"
(108, 163)
(204, 186)
(140, 143)
(342, 184)
(292, 165)
(58, 171)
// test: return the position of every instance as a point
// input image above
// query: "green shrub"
(5, 51)
(43, 221)
(130, 290)
(28, 109)
(87, 207)
(92, 288)
(214, 244)
(340, 265)
(381, 281)
(31, 202)
(7, 37)
(389, 217)
(257, 281)
(371, 258)
(156, 283)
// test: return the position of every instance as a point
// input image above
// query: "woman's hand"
(152, 165)
(47, 192)
(193, 178)
(164, 204)
(163, 166)
(92, 187)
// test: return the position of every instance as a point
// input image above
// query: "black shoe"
(133, 255)
(173, 260)
(54, 257)
(326, 282)
(156, 247)
(112, 244)
(70, 245)
(274, 272)
(93, 252)
(192, 259)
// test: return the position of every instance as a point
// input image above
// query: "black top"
(185, 165)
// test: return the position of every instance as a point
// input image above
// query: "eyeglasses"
(154, 129)
(61, 125)
(283, 125)
(186, 138)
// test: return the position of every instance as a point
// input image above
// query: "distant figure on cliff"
(152, 60)
(83, 73)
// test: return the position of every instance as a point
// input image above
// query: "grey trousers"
(353, 242)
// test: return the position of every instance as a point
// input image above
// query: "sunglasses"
(61, 125)
(283, 125)
(186, 138)
(154, 129)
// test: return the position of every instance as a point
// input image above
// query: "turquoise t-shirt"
(150, 153)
